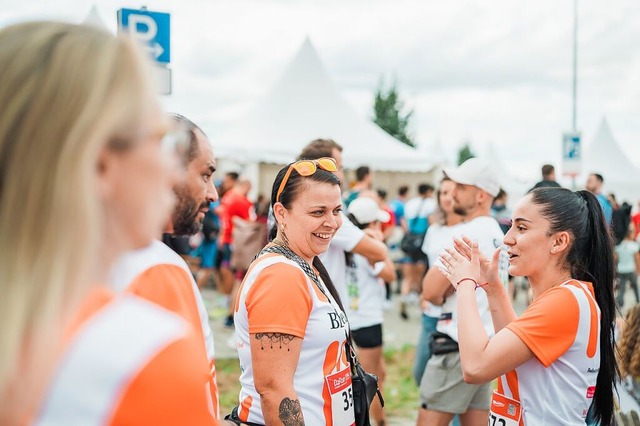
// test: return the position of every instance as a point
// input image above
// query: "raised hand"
(462, 263)
(488, 268)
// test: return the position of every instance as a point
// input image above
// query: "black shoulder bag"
(364, 385)
(411, 243)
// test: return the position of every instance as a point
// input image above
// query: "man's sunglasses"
(307, 168)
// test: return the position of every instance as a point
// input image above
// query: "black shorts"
(368, 337)
(418, 258)
(223, 256)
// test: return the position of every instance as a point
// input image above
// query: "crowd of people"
(103, 318)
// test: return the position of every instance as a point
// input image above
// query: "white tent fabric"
(604, 156)
(303, 105)
(515, 187)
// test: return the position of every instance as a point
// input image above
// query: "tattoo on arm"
(290, 412)
(277, 338)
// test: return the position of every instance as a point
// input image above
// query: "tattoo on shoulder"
(277, 338)
(290, 412)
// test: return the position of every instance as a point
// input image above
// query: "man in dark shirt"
(548, 178)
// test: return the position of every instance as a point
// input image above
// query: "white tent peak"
(605, 156)
(302, 105)
(94, 19)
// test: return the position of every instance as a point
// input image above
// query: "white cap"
(476, 172)
(366, 210)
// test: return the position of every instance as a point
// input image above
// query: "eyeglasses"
(307, 168)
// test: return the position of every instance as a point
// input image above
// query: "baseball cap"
(476, 172)
(366, 210)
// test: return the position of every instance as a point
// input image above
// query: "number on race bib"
(339, 385)
(492, 421)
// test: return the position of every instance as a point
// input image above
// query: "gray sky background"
(491, 72)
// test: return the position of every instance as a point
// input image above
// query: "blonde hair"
(629, 345)
(68, 91)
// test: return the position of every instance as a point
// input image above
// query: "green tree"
(389, 115)
(465, 153)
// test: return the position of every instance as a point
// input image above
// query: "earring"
(553, 250)
(285, 240)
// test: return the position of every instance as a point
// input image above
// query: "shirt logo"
(591, 390)
(337, 321)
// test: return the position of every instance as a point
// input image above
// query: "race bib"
(504, 411)
(339, 385)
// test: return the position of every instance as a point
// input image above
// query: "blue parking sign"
(151, 28)
(571, 153)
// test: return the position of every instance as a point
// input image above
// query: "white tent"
(604, 156)
(303, 105)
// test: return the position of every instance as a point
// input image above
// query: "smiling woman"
(290, 324)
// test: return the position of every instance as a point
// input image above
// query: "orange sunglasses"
(307, 168)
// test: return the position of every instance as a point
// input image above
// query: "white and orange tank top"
(556, 387)
(159, 274)
(127, 362)
(277, 297)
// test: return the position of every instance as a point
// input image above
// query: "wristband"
(470, 279)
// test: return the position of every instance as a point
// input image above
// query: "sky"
(493, 73)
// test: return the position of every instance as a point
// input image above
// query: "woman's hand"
(488, 268)
(460, 262)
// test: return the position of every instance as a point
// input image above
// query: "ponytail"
(599, 269)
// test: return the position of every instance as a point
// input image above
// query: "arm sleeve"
(549, 326)
(170, 287)
(279, 301)
(377, 268)
(348, 236)
(169, 390)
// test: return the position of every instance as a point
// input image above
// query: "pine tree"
(388, 114)
(465, 153)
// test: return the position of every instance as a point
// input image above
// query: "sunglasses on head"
(307, 168)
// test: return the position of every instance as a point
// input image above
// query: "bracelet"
(470, 279)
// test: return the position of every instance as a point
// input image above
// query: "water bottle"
(503, 268)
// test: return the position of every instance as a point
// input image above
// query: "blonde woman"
(86, 172)
(629, 361)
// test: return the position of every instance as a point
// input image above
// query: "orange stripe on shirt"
(592, 345)
(330, 360)
(245, 407)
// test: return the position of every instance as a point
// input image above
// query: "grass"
(400, 391)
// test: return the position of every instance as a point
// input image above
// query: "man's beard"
(459, 210)
(185, 220)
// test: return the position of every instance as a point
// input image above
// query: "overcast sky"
(494, 72)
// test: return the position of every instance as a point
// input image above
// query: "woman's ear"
(561, 242)
(279, 212)
(104, 173)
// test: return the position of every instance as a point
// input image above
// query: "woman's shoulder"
(150, 342)
(275, 262)
(274, 268)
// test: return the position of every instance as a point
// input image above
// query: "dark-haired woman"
(290, 325)
(557, 359)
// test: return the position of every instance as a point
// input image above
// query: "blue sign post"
(151, 28)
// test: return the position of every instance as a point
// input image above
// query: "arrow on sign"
(156, 50)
